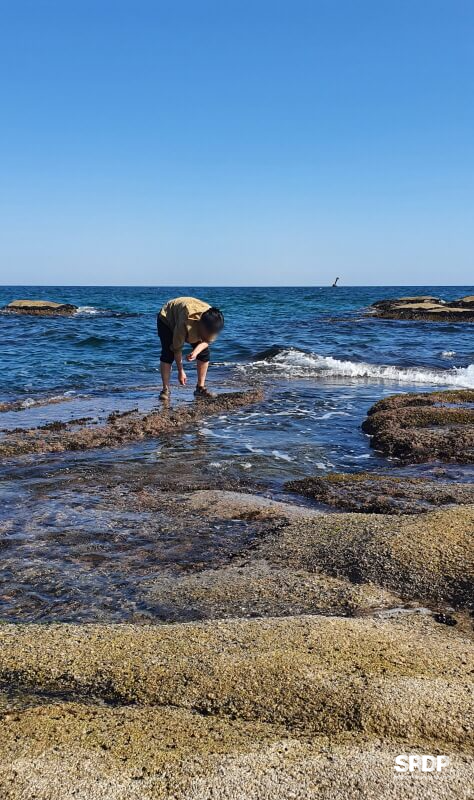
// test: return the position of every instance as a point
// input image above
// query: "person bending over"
(187, 320)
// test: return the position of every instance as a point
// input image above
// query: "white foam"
(330, 414)
(209, 432)
(281, 456)
(256, 450)
(29, 402)
(296, 364)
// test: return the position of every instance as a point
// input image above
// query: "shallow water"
(72, 551)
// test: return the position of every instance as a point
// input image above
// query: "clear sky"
(236, 141)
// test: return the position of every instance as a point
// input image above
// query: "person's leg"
(165, 369)
(202, 367)
(166, 357)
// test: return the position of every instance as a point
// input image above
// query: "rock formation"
(425, 307)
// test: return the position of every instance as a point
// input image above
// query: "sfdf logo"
(420, 763)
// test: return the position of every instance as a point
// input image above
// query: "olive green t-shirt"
(182, 316)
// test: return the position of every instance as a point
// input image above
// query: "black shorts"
(166, 339)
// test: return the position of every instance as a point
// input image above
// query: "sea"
(321, 359)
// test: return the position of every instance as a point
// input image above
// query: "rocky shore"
(300, 657)
(425, 307)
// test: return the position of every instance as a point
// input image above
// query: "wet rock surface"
(121, 428)
(40, 308)
(97, 547)
(382, 494)
(425, 307)
(424, 427)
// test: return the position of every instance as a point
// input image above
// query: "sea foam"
(297, 364)
(87, 310)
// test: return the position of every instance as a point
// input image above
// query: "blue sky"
(236, 142)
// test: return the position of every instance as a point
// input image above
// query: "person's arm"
(179, 338)
(196, 350)
(182, 377)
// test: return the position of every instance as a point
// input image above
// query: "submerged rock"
(425, 307)
(424, 427)
(29, 402)
(121, 428)
(40, 307)
(381, 494)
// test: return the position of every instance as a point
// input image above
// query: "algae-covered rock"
(120, 429)
(424, 427)
(40, 308)
(381, 494)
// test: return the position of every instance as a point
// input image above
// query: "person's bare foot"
(203, 392)
(165, 393)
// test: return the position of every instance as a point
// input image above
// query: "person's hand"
(182, 377)
(191, 356)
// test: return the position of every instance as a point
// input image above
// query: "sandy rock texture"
(424, 427)
(429, 556)
(257, 588)
(424, 307)
(227, 505)
(322, 645)
(121, 428)
(251, 579)
(298, 707)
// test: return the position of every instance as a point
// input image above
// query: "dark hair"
(213, 320)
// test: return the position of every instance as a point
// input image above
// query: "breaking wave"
(297, 364)
(88, 310)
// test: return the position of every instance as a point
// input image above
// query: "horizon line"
(228, 286)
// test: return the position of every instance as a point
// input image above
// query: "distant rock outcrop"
(425, 307)
(40, 307)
